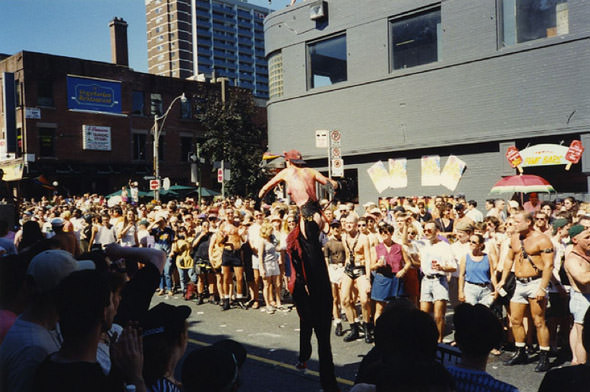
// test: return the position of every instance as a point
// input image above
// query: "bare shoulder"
(541, 241)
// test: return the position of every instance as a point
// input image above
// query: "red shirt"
(393, 258)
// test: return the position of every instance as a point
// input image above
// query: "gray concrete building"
(414, 78)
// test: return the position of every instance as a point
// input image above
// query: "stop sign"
(154, 185)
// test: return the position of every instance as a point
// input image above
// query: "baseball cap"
(57, 222)
(165, 319)
(50, 267)
(558, 224)
(294, 156)
(463, 226)
(575, 230)
(513, 203)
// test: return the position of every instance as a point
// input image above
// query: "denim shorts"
(432, 290)
(475, 294)
(524, 291)
(579, 304)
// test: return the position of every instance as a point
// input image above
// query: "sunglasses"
(429, 230)
(474, 242)
(290, 222)
(412, 233)
(362, 225)
(540, 219)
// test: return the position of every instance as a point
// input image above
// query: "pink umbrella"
(524, 183)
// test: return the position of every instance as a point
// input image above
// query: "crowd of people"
(527, 266)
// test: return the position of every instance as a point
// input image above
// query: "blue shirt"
(470, 380)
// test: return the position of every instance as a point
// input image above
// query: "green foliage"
(232, 135)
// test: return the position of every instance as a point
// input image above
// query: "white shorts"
(434, 289)
(526, 291)
(579, 304)
(336, 271)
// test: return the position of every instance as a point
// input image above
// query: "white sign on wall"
(321, 138)
(96, 138)
(33, 113)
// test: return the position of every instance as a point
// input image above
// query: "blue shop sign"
(94, 95)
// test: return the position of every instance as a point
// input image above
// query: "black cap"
(165, 319)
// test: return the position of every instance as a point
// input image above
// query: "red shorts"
(411, 284)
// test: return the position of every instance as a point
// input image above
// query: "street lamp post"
(157, 131)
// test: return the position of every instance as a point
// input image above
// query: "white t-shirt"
(441, 252)
(129, 238)
(145, 238)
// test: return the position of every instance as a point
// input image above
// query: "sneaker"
(301, 365)
(543, 364)
(160, 292)
(338, 330)
(519, 357)
(170, 293)
(225, 304)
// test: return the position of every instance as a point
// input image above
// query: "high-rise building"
(221, 38)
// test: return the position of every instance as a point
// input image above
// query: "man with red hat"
(310, 283)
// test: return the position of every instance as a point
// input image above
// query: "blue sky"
(78, 28)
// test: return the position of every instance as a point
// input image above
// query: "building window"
(275, 78)
(158, 10)
(160, 38)
(45, 93)
(139, 140)
(186, 148)
(46, 142)
(326, 61)
(160, 47)
(415, 40)
(185, 109)
(138, 103)
(156, 104)
(527, 20)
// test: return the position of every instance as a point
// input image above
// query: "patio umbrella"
(524, 183)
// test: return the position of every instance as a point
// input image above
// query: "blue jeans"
(166, 277)
(186, 274)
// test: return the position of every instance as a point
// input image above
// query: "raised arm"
(272, 183)
(145, 255)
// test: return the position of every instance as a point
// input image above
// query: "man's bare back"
(577, 263)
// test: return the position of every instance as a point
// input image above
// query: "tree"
(231, 134)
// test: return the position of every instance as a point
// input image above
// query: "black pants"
(314, 306)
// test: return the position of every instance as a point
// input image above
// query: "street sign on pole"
(220, 175)
(154, 185)
(337, 167)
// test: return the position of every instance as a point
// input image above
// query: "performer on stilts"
(309, 284)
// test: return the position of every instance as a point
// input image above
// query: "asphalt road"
(272, 342)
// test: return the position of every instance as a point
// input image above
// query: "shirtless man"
(532, 252)
(230, 237)
(301, 182)
(310, 283)
(355, 281)
(577, 268)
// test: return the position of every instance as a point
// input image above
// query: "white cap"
(50, 267)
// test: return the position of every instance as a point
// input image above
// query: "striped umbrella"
(525, 183)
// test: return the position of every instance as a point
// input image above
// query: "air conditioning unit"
(317, 10)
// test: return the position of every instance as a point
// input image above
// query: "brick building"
(88, 124)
